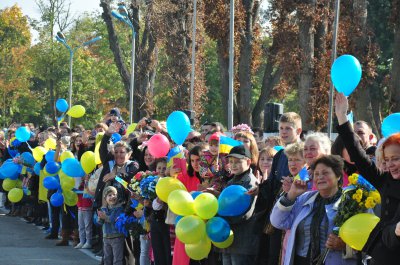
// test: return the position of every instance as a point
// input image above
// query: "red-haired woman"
(383, 244)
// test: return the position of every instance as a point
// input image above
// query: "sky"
(30, 8)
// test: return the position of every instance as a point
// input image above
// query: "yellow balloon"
(50, 143)
(131, 128)
(99, 137)
(167, 185)
(70, 197)
(199, 250)
(15, 195)
(355, 231)
(227, 243)
(65, 155)
(181, 202)
(88, 162)
(9, 184)
(76, 111)
(38, 153)
(206, 205)
(67, 183)
(97, 159)
(190, 229)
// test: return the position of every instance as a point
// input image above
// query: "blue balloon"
(36, 168)
(195, 194)
(178, 126)
(115, 138)
(57, 199)
(218, 229)
(71, 167)
(52, 167)
(346, 74)
(50, 156)
(96, 219)
(233, 201)
(391, 124)
(2, 176)
(178, 218)
(28, 159)
(23, 134)
(51, 183)
(10, 170)
(62, 105)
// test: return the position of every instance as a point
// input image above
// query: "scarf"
(318, 216)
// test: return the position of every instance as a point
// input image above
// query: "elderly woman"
(316, 144)
(310, 216)
(383, 244)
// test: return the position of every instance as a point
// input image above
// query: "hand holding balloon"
(341, 107)
(334, 242)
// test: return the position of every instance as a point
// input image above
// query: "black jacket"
(383, 244)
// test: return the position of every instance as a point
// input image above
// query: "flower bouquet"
(357, 198)
(148, 187)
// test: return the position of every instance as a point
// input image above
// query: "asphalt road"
(24, 244)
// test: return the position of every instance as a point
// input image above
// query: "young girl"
(113, 241)
(212, 165)
(265, 163)
(85, 215)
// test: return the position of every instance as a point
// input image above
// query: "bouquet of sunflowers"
(359, 197)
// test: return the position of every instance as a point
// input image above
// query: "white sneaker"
(80, 245)
(87, 245)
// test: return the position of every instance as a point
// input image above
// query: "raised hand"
(286, 183)
(341, 107)
(297, 188)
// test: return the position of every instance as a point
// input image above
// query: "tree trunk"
(223, 62)
(116, 50)
(306, 44)
(363, 108)
(395, 83)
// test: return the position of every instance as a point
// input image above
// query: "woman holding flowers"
(310, 216)
(383, 244)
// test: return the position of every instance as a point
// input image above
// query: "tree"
(14, 41)
(395, 84)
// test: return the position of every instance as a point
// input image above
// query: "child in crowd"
(85, 214)
(159, 230)
(113, 241)
(265, 163)
(244, 248)
(213, 165)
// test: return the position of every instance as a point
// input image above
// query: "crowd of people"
(289, 220)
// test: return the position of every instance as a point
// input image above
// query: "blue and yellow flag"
(227, 143)
(176, 152)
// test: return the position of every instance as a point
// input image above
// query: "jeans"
(85, 226)
(3, 197)
(144, 250)
(237, 259)
(113, 250)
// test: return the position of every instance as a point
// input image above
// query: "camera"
(148, 121)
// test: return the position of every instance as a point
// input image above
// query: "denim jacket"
(112, 213)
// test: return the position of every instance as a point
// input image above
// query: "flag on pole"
(227, 143)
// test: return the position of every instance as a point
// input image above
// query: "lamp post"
(122, 15)
(231, 63)
(61, 38)
(334, 46)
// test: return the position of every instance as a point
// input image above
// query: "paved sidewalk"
(24, 244)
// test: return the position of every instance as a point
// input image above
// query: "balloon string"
(30, 148)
